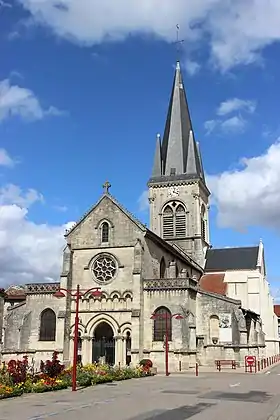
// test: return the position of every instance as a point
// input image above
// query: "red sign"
(250, 360)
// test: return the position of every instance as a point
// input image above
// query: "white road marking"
(234, 385)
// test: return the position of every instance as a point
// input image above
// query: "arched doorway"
(103, 345)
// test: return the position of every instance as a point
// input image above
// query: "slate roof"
(277, 310)
(213, 283)
(244, 258)
(178, 154)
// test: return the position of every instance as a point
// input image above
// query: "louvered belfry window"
(174, 221)
(203, 223)
(180, 221)
(168, 222)
(47, 325)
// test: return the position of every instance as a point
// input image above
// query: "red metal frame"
(166, 316)
(77, 294)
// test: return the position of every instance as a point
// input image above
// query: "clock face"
(173, 191)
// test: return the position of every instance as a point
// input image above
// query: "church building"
(148, 274)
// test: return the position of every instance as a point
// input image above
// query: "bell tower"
(178, 194)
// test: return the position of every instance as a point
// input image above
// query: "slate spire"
(179, 151)
(157, 168)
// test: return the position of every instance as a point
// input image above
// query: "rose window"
(104, 268)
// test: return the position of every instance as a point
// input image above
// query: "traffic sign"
(250, 360)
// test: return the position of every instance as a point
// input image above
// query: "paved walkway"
(211, 396)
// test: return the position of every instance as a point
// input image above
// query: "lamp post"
(166, 316)
(77, 294)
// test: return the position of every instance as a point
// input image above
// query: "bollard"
(259, 365)
(262, 364)
(180, 366)
(196, 369)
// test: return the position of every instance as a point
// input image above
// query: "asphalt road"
(211, 396)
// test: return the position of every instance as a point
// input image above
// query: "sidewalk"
(213, 369)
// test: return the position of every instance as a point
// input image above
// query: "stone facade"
(194, 196)
(134, 290)
(146, 277)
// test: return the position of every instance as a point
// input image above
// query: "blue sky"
(84, 90)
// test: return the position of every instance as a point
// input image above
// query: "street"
(211, 396)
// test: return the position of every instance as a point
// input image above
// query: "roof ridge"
(233, 247)
(112, 198)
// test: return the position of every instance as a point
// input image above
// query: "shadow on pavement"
(251, 397)
(179, 413)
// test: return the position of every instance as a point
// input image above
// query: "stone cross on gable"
(106, 186)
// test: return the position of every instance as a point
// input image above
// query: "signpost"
(250, 363)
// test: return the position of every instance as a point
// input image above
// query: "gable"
(231, 259)
(124, 229)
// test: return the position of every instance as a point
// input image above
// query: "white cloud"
(12, 194)
(235, 124)
(5, 159)
(249, 196)
(236, 104)
(237, 30)
(143, 201)
(21, 102)
(61, 209)
(4, 4)
(192, 67)
(29, 252)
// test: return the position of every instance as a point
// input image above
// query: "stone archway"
(103, 344)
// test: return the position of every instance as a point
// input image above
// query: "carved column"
(137, 316)
(119, 359)
(87, 349)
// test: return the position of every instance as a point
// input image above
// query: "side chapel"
(141, 271)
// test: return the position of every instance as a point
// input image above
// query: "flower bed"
(17, 377)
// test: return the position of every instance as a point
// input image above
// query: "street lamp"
(167, 316)
(77, 294)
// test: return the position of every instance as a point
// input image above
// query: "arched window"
(174, 221)
(203, 223)
(105, 232)
(161, 321)
(214, 329)
(162, 268)
(47, 325)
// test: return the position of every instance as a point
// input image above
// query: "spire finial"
(178, 43)
(106, 187)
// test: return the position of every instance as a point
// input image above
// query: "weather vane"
(178, 41)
